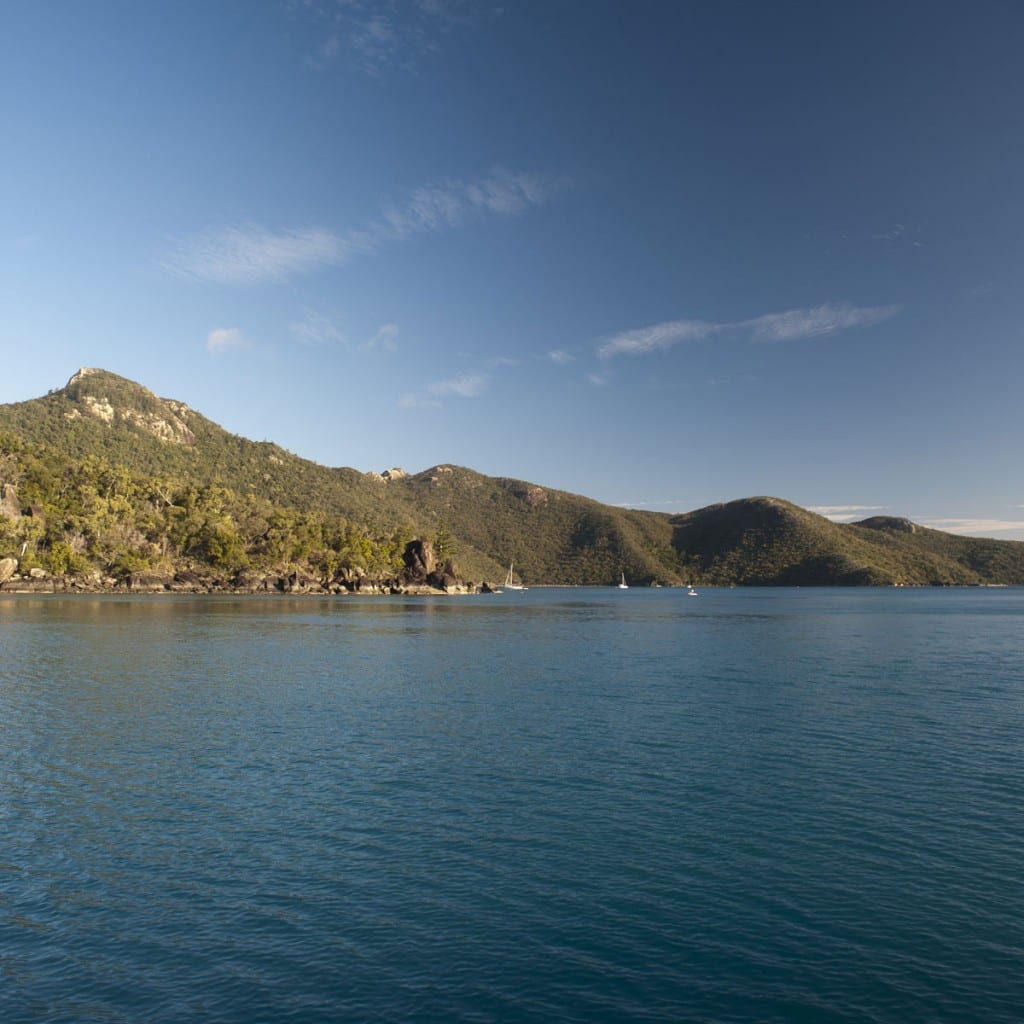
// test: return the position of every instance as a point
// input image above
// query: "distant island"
(105, 486)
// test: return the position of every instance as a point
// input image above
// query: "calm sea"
(559, 805)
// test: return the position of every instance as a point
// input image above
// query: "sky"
(663, 254)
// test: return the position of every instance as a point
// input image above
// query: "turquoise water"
(754, 805)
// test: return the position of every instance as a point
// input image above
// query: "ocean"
(771, 805)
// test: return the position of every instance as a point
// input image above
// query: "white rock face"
(100, 408)
(84, 371)
(168, 424)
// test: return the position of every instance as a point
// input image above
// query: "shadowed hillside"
(772, 542)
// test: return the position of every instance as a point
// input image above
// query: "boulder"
(420, 560)
(148, 582)
(446, 577)
(187, 582)
(444, 580)
(300, 583)
(8, 567)
(247, 580)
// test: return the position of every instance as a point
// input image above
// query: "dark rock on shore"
(148, 582)
(413, 580)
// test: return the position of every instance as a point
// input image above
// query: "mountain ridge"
(118, 481)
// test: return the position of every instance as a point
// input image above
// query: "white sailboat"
(508, 584)
(623, 585)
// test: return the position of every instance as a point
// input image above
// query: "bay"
(573, 805)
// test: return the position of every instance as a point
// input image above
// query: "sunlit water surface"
(561, 805)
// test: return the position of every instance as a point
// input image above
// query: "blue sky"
(660, 253)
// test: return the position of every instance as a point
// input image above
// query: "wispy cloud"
(386, 338)
(374, 36)
(599, 378)
(560, 357)
(454, 202)
(472, 384)
(973, 527)
(812, 323)
(672, 503)
(465, 385)
(891, 234)
(792, 325)
(900, 234)
(251, 254)
(966, 526)
(844, 513)
(656, 338)
(316, 329)
(222, 339)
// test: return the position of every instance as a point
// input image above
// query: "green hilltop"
(104, 479)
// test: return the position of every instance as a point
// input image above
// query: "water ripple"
(774, 807)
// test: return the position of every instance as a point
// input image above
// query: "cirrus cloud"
(251, 254)
(316, 329)
(560, 357)
(973, 527)
(792, 325)
(844, 513)
(812, 323)
(656, 338)
(386, 338)
(465, 385)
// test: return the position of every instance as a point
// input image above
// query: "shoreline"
(289, 586)
(293, 584)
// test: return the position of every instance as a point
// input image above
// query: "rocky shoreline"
(183, 583)
(422, 575)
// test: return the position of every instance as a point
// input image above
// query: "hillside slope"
(115, 479)
(550, 535)
(101, 414)
(772, 542)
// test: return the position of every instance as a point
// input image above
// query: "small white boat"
(691, 592)
(508, 584)
(623, 585)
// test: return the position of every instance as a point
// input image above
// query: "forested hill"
(104, 478)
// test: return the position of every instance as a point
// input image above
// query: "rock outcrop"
(10, 507)
(420, 561)
(424, 574)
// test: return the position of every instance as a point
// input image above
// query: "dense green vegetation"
(103, 477)
(84, 515)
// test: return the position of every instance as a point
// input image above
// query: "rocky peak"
(895, 524)
(83, 372)
(113, 400)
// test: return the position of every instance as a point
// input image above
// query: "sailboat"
(623, 585)
(508, 584)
